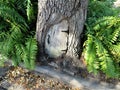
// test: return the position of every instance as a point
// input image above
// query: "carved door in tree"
(59, 27)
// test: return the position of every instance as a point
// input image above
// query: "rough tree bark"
(59, 27)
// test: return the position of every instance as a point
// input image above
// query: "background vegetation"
(101, 48)
(17, 31)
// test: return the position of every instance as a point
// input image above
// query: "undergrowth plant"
(102, 47)
(17, 30)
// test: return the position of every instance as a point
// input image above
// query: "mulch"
(31, 81)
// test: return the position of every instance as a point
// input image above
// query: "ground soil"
(18, 78)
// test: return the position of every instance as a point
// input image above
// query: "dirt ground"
(17, 78)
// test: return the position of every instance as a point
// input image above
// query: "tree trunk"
(59, 27)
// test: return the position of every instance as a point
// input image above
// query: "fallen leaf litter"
(32, 81)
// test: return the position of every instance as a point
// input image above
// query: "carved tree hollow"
(59, 27)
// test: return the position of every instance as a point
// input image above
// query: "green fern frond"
(16, 33)
(30, 53)
(115, 52)
(20, 5)
(18, 53)
(115, 35)
(8, 46)
(106, 61)
(106, 32)
(30, 11)
(3, 25)
(103, 32)
(107, 28)
(3, 36)
(11, 15)
(14, 29)
(90, 55)
(116, 48)
(107, 66)
(2, 59)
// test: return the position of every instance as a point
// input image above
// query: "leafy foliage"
(29, 52)
(17, 32)
(102, 46)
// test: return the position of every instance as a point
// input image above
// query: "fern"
(106, 62)
(90, 55)
(115, 35)
(30, 13)
(29, 53)
(115, 51)
(16, 34)
(103, 44)
(2, 59)
(10, 15)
